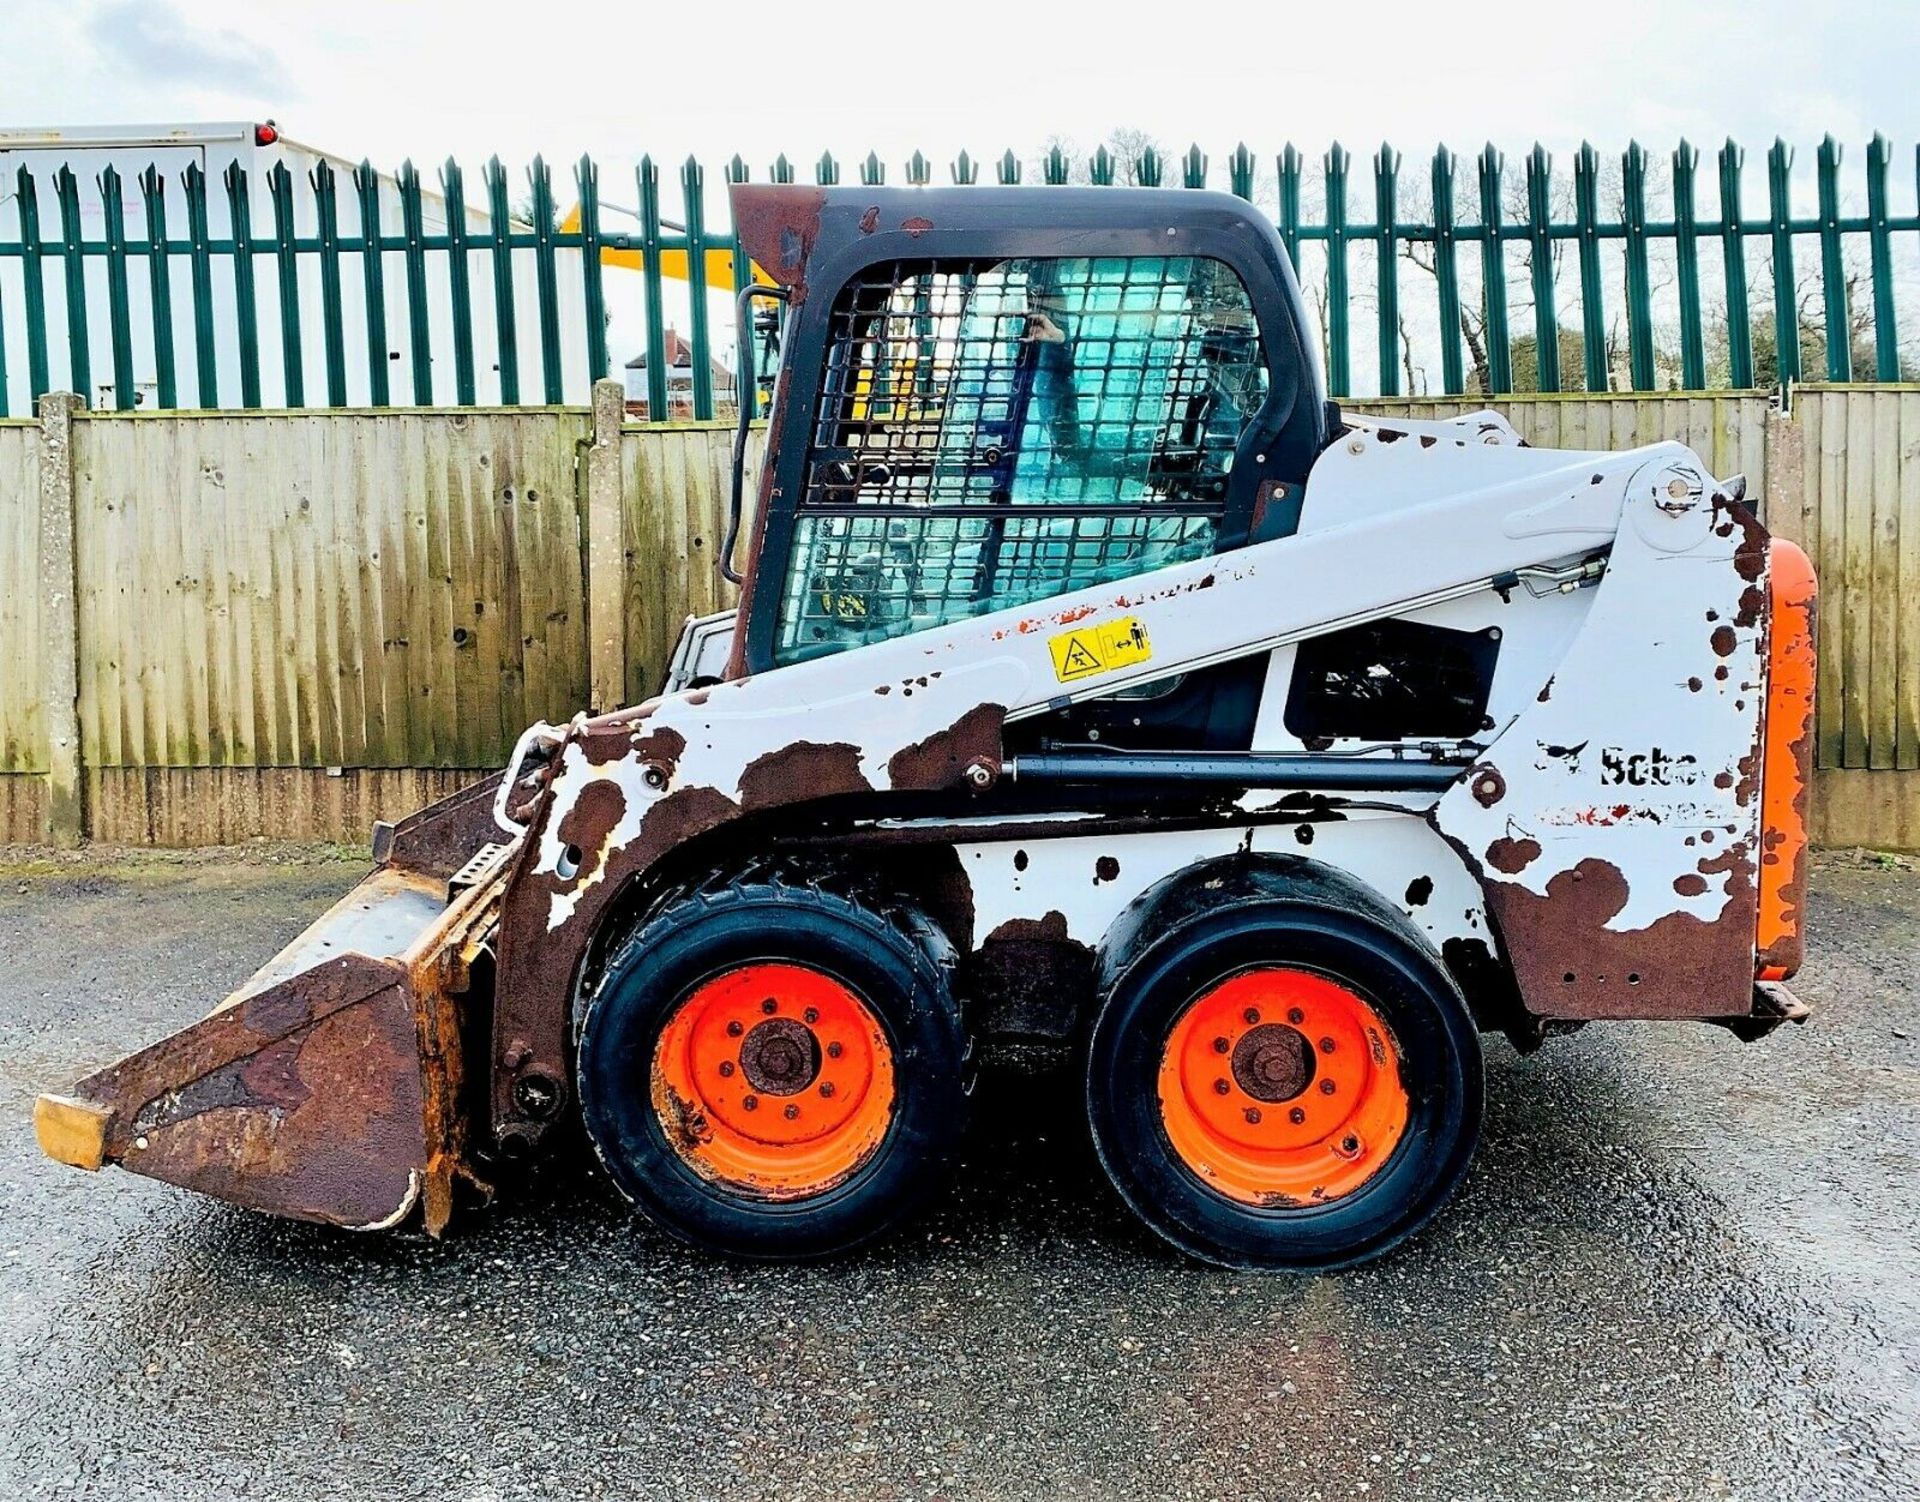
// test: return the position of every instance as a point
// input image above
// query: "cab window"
(991, 433)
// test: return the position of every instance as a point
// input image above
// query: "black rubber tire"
(889, 954)
(1440, 1065)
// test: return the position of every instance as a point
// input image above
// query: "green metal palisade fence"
(1467, 227)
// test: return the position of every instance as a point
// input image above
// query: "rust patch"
(916, 226)
(1512, 856)
(1388, 435)
(1031, 979)
(586, 825)
(1723, 641)
(1105, 869)
(941, 760)
(1419, 890)
(870, 221)
(1568, 963)
(1690, 884)
(777, 224)
(806, 769)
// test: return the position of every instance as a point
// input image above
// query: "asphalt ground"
(1682, 1267)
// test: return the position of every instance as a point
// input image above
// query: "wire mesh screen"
(995, 432)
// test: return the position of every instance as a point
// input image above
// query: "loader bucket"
(328, 1087)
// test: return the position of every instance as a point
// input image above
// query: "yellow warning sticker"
(1087, 650)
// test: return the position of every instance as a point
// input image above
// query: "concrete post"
(606, 553)
(1783, 490)
(60, 620)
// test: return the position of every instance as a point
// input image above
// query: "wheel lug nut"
(1296, 1116)
(735, 1028)
(1221, 1087)
(1350, 1146)
(726, 1069)
(826, 1089)
(1326, 1087)
(1296, 1016)
(811, 1015)
(792, 1113)
(1253, 1116)
(1326, 1045)
(1220, 1045)
(1252, 1014)
(750, 1102)
(769, 1006)
(834, 1050)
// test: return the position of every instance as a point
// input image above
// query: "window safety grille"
(990, 433)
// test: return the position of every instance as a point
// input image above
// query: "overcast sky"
(390, 80)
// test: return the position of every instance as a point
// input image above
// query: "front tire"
(774, 1069)
(1284, 1085)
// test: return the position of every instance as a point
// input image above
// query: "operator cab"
(1012, 394)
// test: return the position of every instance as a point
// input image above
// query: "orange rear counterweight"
(1786, 775)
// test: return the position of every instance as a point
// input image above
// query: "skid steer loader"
(1094, 684)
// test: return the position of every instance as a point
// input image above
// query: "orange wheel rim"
(774, 1080)
(1282, 1087)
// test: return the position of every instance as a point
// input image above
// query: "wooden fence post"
(606, 558)
(1783, 491)
(60, 620)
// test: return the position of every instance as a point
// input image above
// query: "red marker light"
(265, 135)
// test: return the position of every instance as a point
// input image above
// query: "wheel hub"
(780, 1056)
(1273, 1062)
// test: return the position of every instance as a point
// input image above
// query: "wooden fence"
(292, 623)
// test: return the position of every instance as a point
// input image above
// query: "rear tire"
(776, 1070)
(1338, 1116)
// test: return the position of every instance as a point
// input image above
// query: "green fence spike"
(1057, 168)
(1734, 256)
(1493, 273)
(373, 276)
(1339, 361)
(153, 194)
(34, 279)
(200, 253)
(1833, 270)
(1686, 258)
(965, 169)
(1446, 272)
(1008, 169)
(1886, 334)
(919, 169)
(505, 304)
(1241, 168)
(245, 297)
(286, 258)
(1288, 181)
(1786, 313)
(333, 337)
(414, 254)
(546, 282)
(1100, 168)
(694, 198)
(1593, 316)
(1633, 188)
(1194, 167)
(593, 295)
(873, 172)
(79, 352)
(826, 171)
(737, 169)
(119, 306)
(453, 192)
(1147, 168)
(1386, 204)
(648, 179)
(782, 169)
(1546, 322)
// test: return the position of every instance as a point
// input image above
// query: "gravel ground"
(1682, 1267)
